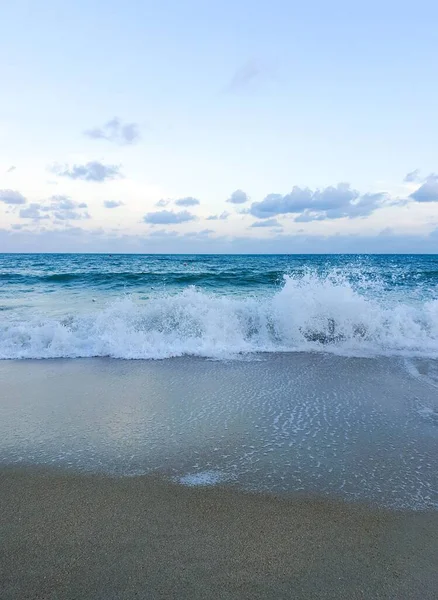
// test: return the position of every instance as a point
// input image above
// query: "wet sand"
(66, 536)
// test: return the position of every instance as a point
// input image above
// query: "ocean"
(287, 374)
(161, 306)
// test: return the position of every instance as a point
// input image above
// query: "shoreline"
(84, 536)
(323, 424)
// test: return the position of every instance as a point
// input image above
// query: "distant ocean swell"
(113, 280)
(214, 279)
(310, 313)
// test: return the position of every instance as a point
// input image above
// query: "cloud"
(363, 207)
(75, 239)
(112, 204)
(116, 131)
(413, 176)
(307, 217)
(304, 199)
(91, 171)
(61, 208)
(387, 231)
(428, 192)
(64, 208)
(333, 202)
(267, 223)
(245, 75)
(70, 215)
(12, 197)
(199, 234)
(238, 197)
(33, 211)
(59, 202)
(222, 217)
(11, 168)
(161, 203)
(189, 201)
(165, 217)
(163, 233)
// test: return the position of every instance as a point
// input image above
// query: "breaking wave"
(310, 313)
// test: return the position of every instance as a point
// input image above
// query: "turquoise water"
(218, 273)
(158, 306)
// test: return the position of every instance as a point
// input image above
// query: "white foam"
(311, 313)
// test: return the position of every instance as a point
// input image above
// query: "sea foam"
(309, 313)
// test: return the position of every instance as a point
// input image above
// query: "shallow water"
(357, 428)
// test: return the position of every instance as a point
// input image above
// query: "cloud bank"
(76, 239)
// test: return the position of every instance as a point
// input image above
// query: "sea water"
(289, 374)
(153, 307)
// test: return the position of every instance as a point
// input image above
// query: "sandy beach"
(84, 537)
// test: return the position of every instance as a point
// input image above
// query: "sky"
(193, 126)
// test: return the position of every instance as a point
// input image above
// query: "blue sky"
(234, 126)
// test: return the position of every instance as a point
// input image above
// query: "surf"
(312, 312)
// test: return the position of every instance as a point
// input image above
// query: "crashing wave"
(311, 313)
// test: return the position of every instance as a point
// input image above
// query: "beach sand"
(70, 536)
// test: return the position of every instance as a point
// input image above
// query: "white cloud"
(91, 171)
(70, 215)
(112, 204)
(238, 197)
(222, 217)
(116, 131)
(189, 201)
(165, 217)
(267, 223)
(12, 197)
(198, 234)
(333, 202)
(61, 208)
(163, 233)
(33, 211)
(413, 176)
(59, 202)
(428, 192)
